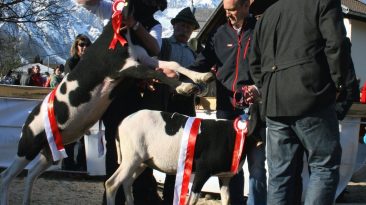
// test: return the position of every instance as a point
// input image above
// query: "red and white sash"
(54, 137)
(241, 130)
(185, 160)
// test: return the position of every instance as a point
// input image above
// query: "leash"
(240, 96)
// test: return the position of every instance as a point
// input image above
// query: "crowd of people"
(34, 77)
(295, 68)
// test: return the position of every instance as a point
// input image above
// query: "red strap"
(189, 159)
(53, 123)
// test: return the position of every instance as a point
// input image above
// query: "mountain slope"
(54, 45)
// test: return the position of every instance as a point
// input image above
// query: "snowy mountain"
(53, 47)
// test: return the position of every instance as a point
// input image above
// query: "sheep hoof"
(205, 78)
(187, 89)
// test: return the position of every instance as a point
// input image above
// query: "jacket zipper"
(246, 48)
(237, 63)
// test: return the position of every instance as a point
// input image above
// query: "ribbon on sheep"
(241, 131)
(185, 161)
(117, 19)
(53, 134)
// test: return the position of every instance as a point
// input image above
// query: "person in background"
(301, 61)
(146, 31)
(163, 98)
(17, 77)
(47, 79)
(25, 77)
(8, 78)
(77, 51)
(36, 78)
(56, 77)
(227, 49)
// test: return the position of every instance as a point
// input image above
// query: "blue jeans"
(288, 139)
(257, 172)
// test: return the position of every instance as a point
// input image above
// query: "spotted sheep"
(83, 96)
(157, 143)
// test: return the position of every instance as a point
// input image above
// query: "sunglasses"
(83, 44)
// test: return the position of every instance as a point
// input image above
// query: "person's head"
(79, 46)
(9, 73)
(184, 23)
(236, 11)
(30, 70)
(36, 69)
(147, 8)
(58, 70)
(62, 67)
(47, 74)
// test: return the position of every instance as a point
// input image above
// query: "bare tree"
(32, 17)
(31, 11)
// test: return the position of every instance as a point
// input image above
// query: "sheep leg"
(140, 53)
(198, 182)
(125, 175)
(8, 175)
(224, 190)
(196, 77)
(42, 164)
(142, 72)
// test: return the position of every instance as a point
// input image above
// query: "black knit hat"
(186, 15)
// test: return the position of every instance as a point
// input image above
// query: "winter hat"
(186, 15)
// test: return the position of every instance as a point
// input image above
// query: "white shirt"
(103, 10)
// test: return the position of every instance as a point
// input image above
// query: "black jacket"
(71, 63)
(228, 52)
(300, 56)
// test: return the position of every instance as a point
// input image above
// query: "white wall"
(356, 30)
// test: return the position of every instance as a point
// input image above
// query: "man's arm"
(207, 58)
(334, 33)
(255, 64)
(351, 92)
(101, 8)
(151, 41)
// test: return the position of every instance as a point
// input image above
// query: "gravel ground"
(59, 189)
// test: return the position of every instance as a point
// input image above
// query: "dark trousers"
(289, 138)
(69, 162)
(145, 187)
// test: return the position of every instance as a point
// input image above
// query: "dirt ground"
(59, 189)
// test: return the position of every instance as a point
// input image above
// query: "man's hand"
(128, 22)
(251, 94)
(168, 72)
(88, 2)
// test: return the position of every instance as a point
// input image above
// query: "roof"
(202, 15)
(354, 9)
